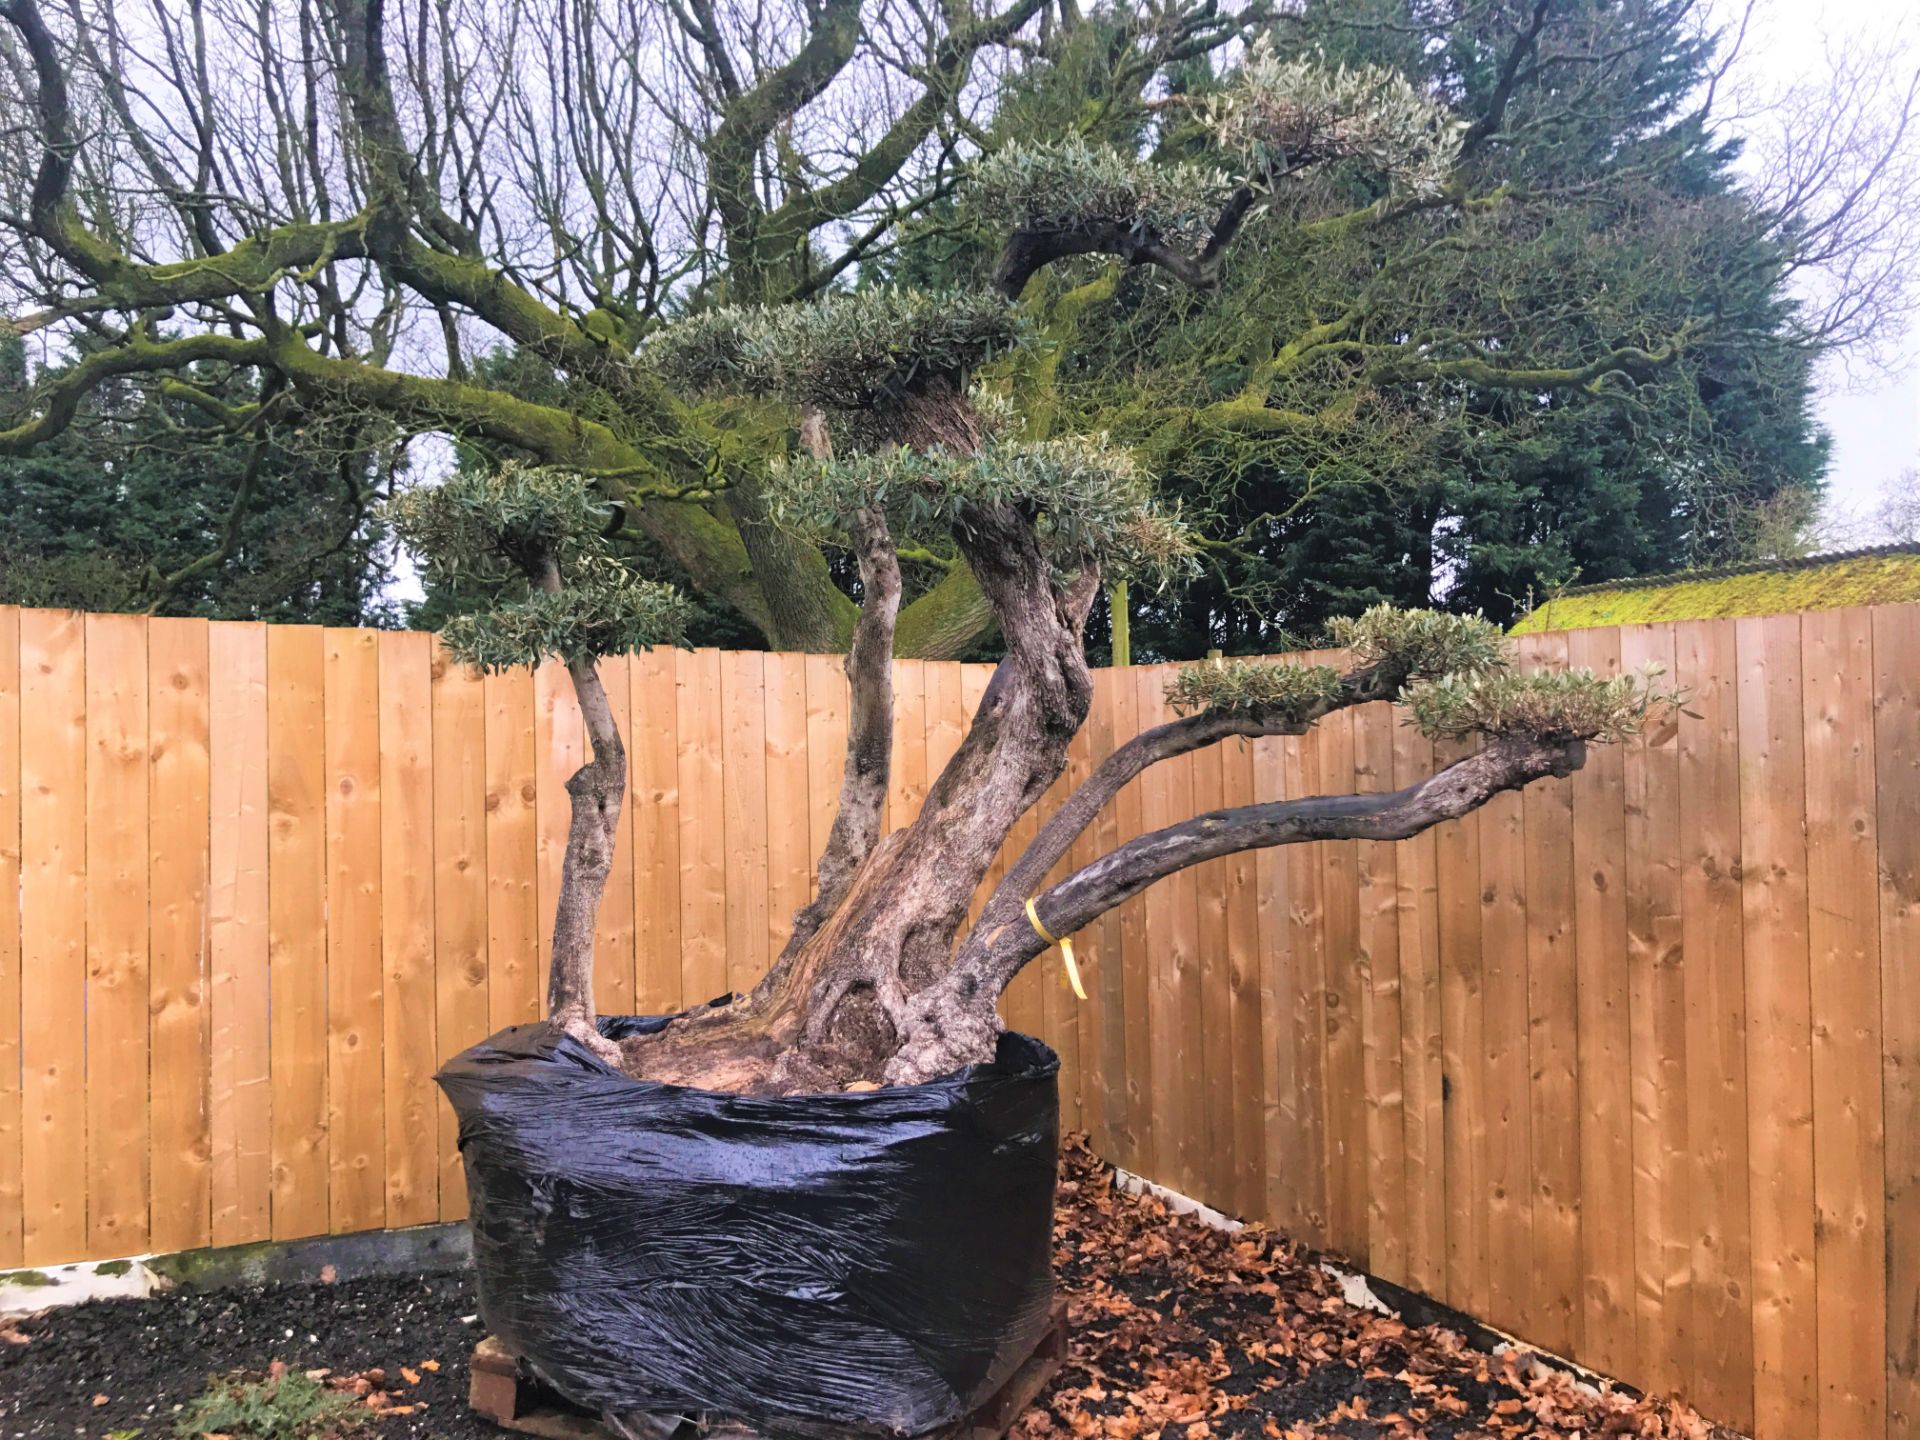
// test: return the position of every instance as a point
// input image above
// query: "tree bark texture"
(595, 792)
(876, 982)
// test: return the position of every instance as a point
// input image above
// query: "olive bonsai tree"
(906, 438)
(538, 537)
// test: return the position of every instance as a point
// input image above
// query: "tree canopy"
(1520, 263)
(1324, 476)
(906, 432)
(145, 502)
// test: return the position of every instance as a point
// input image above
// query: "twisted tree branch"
(1507, 763)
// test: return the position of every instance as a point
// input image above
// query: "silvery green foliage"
(1091, 499)
(600, 610)
(1282, 689)
(500, 525)
(1546, 705)
(1276, 114)
(704, 351)
(497, 522)
(1419, 644)
(1069, 183)
(843, 351)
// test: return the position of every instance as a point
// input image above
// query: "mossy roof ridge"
(1882, 575)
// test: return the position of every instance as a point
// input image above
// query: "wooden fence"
(1626, 1064)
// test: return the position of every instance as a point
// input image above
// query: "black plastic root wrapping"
(871, 1262)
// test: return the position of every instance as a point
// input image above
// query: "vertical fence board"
(1657, 1018)
(1110, 970)
(1553, 1046)
(1243, 1037)
(297, 927)
(1773, 882)
(10, 995)
(1716, 1020)
(1381, 1012)
(826, 751)
(1214, 967)
(1605, 1114)
(743, 708)
(1463, 1053)
(1096, 1031)
(1280, 1119)
(1344, 1096)
(1063, 1008)
(410, 998)
(356, 1100)
(1849, 1163)
(947, 717)
(1305, 965)
(1507, 1095)
(179, 817)
(1023, 1005)
(1422, 1030)
(462, 1007)
(1089, 1036)
(513, 840)
(654, 759)
(1190, 1045)
(973, 692)
(789, 844)
(1123, 824)
(118, 1119)
(703, 836)
(907, 781)
(240, 1080)
(53, 935)
(1896, 750)
(1174, 1146)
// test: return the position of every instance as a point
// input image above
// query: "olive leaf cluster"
(1279, 114)
(1544, 705)
(1452, 675)
(601, 609)
(843, 352)
(491, 524)
(1419, 644)
(1285, 690)
(535, 537)
(1091, 499)
(1070, 183)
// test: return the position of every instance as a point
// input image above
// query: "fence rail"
(1626, 1065)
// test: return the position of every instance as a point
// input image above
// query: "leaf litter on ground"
(1180, 1331)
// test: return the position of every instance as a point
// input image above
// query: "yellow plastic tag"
(1066, 949)
(1073, 970)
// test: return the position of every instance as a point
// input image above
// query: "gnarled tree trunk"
(877, 983)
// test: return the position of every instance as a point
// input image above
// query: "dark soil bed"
(1179, 1333)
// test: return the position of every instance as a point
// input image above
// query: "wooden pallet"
(501, 1392)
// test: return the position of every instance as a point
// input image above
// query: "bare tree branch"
(1507, 763)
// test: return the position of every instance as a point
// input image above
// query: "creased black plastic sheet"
(873, 1262)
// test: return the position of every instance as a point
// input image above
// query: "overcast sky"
(1874, 416)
